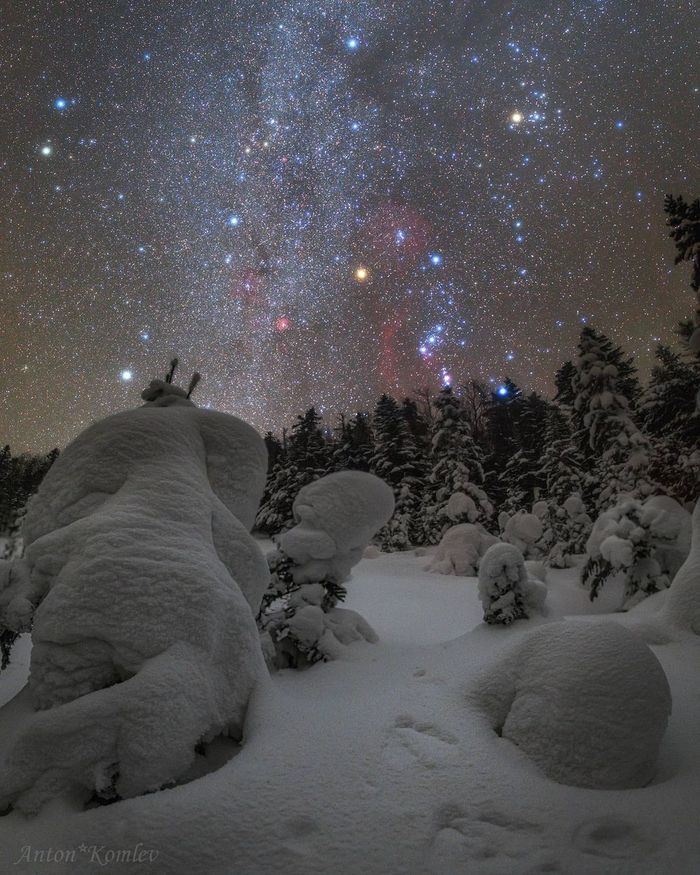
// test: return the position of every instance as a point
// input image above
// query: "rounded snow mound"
(523, 530)
(460, 550)
(588, 703)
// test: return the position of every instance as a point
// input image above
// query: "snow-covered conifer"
(456, 465)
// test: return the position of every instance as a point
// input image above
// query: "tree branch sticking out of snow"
(336, 516)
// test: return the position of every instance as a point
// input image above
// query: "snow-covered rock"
(588, 703)
(335, 518)
(143, 581)
(506, 591)
(682, 607)
(460, 550)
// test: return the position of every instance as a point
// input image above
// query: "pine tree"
(667, 408)
(605, 390)
(501, 415)
(354, 444)
(563, 379)
(307, 458)
(521, 478)
(684, 220)
(397, 461)
(456, 466)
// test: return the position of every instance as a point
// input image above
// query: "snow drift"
(460, 550)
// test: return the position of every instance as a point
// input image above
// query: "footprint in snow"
(613, 837)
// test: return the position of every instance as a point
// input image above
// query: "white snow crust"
(460, 550)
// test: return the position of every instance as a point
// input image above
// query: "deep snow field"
(378, 764)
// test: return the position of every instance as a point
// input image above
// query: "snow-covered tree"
(522, 478)
(605, 390)
(505, 590)
(354, 444)
(299, 617)
(307, 458)
(396, 459)
(684, 220)
(645, 541)
(667, 407)
(456, 466)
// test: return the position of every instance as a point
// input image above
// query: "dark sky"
(312, 202)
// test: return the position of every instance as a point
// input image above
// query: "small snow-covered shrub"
(506, 591)
(588, 703)
(460, 550)
(645, 541)
(335, 518)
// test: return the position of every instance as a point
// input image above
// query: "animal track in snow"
(410, 741)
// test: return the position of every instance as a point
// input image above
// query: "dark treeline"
(20, 477)
(472, 453)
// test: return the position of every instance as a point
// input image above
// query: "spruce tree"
(684, 220)
(606, 389)
(397, 461)
(456, 466)
(521, 479)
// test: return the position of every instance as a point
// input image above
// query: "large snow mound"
(588, 703)
(144, 580)
(524, 530)
(460, 550)
(335, 518)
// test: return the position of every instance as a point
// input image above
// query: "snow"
(461, 506)
(587, 703)
(336, 516)
(682, 607)
(461, 549)
(524, 530)
(380, 764)
(142, 573)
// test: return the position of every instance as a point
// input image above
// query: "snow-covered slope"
(379, 764)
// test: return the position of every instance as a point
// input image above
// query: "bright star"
(234, 221)
(46, 151)
(619, 124)
(60, 103)
(435, 258)
(126, 376)
(361, 274)
(516, 118)
(352, 43)
(502, 391)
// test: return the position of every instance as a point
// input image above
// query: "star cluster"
(314, 202)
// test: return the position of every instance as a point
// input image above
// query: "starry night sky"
(314, 202)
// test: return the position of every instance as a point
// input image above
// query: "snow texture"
(524, 530)
(506, 591)
(587, 703)
(682, 607)
(143, 581)
(461, 506)
(335, 518)
(460, 550)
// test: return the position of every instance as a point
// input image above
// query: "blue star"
(502, 391)
(234, 221)
(352, 43)
(435, 259)
(60, 103)
(619, 124)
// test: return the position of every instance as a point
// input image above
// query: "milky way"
(313, 202)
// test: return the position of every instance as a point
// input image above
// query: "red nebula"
(282, 324)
